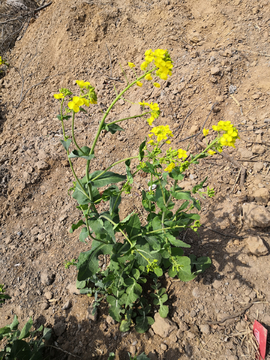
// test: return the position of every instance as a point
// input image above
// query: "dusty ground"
(219, 49)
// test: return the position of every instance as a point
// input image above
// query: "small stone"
(261, 195)
(110, 320)
(192, 314)
(258, 166)
(73, 289)
(195, 38)
(48, 295)
(215, 70)
(183, 326)
(47, 277)
(256, 246)
(258, 149)
(42, 165)
(67, 305)
(194, 129)
(132, 350)
(163, 347)
(196, 292)
(163, 327)
(255, 215)
(256, 96)
(44, 305)
(121, 102)
(59, 328)
(217, 284)
(8, 240)
(245, 153)
(205, 329)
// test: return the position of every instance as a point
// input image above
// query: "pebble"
(258, 166)
(67, 305)
(163, 347)
(73, 289)
(48, 295)
(256, 215)
(215, 70)
(194, 129)
(59, 328)
(256, 245)
(205, 329)
(47, 278)
(258, 149)
(163, 327)
(261, 196)
(42, 165)
(196, 292)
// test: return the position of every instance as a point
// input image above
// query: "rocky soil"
(221, 72)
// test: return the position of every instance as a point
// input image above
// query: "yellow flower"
(150, 120)
(76, 103)
(144, 66)
(148, 77)
(205, 132)
(82, 84)
(162, 132)
(139, 83)
(157, 85)
(58, 96)
(211, 152)
(170, 167)
(131, 65)
(86, 102)
(182, 154)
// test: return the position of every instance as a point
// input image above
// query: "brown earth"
(221, 72)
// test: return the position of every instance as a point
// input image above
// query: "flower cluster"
(172, 157)
(161, 132)
(154, 113)
(3, 62)
(162, 61)
(87, 96)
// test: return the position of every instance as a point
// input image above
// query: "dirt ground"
(221, 71)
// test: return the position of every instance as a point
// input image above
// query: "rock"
(196, 292)
(215, 70)
(245, 153)
(42, 165)
(163, 327)
(67, 305)
(121, 102)
(110, 320)
(132, 350)
(44, 305)
(194, 129)
(261, 195)
(258, 149)
(73, 289)
(256, 246)
(195, 38)
(8, 240)
(59, 328)
(255, 215)
(48, 295)
(47, 277)
(258, 166)
(163, 347)
(183, 326)
(256, 96)
(205, 329)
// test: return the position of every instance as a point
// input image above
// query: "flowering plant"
(138, 254)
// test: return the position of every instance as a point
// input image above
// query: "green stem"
(130, 117)
(117, 162)
(73, 135)
(158, 230)
(167, 203)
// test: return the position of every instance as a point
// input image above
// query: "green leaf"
(134, 291)
(133, 226)
(14, 324)
(129, 175)
(88, 261)
(176, 175)
(83, 234)
(80, 284)
(125, 325)
(136, 273)
(79, 195)
(66, 143)
(141, 152)
(163, 311)
(142, 356)
(199, 186)
(172, 272)
(143, 323)
(111, 356)
(84, 153)
(158, 271)
(176, 242)
(98, 179)
(76, 226)
(201, 264)
(115, 309)
(25, 329)
(112, 128)
(20, 350)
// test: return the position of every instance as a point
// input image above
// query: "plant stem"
(130, 117)
(73, 135)
(112, 222)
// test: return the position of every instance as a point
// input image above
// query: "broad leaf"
(66, 143)
(83, 235)
(143, 323)
(112, 128)
(141, 152)
(99, 178)
(84, 153)
(25, 330)
(76, 226)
